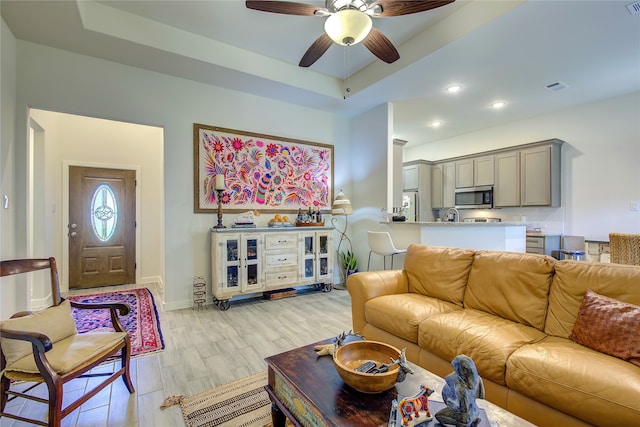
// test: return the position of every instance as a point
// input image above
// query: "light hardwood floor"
(203, 349)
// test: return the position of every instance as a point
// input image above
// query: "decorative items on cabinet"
(219, 187)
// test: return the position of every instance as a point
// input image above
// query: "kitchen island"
(500, 236)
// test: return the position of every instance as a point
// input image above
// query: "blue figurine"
(460, 391)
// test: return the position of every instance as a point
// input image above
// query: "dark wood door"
(102, 215)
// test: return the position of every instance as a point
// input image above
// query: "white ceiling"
(508, 50)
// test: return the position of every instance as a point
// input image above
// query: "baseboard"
(41, 303)
(151, 280)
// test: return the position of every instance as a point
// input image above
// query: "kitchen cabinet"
(544, 244)
(448, 184)
(263, 259)
(475, 172)
(506, 191)
(437, 186)
(410, 177)
(540, 176)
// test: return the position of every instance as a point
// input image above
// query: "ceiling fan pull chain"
(347, 70)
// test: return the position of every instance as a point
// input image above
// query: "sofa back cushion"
(571, 281)
(438, 272)
(514, 286)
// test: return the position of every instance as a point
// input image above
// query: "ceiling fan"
(349, 22)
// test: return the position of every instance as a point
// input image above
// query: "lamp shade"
(341, 205)
(348, 26)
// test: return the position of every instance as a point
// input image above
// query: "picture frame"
(261, 172)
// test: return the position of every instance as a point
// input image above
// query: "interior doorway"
(80, 141)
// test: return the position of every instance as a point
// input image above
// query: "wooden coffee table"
(306, 389)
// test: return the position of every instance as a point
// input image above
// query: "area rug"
(141, 323)
(240, 403)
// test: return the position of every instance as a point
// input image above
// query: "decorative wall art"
(261, 172)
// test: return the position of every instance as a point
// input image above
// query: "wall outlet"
(634, 206)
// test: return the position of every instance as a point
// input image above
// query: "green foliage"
(348, 260)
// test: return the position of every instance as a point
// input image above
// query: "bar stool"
(380, 243)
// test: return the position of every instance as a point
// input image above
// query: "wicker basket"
(624, 248)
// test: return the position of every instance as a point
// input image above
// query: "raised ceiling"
(507, 50)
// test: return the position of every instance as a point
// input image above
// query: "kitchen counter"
(500, 236)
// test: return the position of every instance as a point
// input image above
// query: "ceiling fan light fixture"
(348, 27)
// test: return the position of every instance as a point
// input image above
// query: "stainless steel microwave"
(474, 198)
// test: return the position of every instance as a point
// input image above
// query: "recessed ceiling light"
(454, 88)
(498, 104)
(435, 123)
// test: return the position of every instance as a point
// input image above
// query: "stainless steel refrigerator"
(411, 206)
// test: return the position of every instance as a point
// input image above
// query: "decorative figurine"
(393, 414)
(410, 407)
(330, 349)
(459, 393)
(247, 218)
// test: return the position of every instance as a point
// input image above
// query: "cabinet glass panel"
(324, 266)
(324, 240)
(308, 245)
(232, 250)
(252, 249)
(308, 268)
(232, 276)
(252, 274)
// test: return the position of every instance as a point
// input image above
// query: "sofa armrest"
(367, 285)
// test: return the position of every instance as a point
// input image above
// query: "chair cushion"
(577, 380)
(55, 322)
(72, 352)
(401, 314)
(438, 272)
(608, 326)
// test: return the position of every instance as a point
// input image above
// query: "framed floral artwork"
(259, 172)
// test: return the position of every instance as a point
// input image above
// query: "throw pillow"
(608, 326)
(54, 322)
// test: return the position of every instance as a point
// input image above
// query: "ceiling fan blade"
(317, 49)
(380, 46)
(285, 7)
(398, 8)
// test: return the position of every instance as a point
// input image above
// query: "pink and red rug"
(141, 323)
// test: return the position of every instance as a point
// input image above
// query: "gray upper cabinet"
(474, 172)
(448, 184)
(410, 177)
(526, 175)
(540, 176)
(436, 186)
(506, 191)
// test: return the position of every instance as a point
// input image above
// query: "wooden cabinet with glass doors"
(266, 259)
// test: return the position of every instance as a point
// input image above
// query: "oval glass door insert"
(104, 212)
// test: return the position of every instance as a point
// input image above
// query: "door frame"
(64, 279)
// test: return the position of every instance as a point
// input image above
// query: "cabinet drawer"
(277, 241)
(531, 250)
(535, 242)
(281, 260)
(279, 278)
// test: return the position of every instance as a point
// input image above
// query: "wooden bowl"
(351, 355)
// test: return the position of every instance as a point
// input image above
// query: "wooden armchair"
(45, 347)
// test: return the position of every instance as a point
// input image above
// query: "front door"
(102, 222)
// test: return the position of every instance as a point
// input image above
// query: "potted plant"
(348, 262)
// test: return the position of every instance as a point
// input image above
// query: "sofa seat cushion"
(489, 340)
(577, 380)
(401, 314)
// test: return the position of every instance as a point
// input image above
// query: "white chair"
(380, 243)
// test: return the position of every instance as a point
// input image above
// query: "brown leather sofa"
(512, 313)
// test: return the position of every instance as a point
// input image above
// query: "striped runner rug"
(240, 403)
